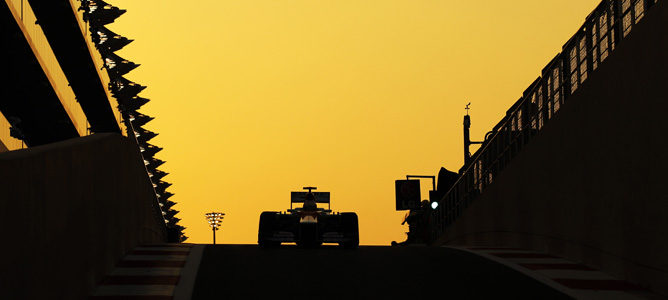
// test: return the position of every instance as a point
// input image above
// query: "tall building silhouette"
(65, 81)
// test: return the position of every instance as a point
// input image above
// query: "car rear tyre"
(266, 230)
(350, 230)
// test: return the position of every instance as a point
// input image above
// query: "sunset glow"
(254, 99)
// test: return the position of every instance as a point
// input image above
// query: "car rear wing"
(300, 197)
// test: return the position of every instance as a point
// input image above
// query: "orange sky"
(254, 99)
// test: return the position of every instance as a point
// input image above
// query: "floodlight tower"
(214, 219)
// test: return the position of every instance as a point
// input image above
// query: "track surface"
(371, 272)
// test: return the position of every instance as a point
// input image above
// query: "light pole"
(214, 219)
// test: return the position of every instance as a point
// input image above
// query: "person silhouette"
(309, 203)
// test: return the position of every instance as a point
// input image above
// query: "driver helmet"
(310, 203)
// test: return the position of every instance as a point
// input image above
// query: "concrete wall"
(69, 211)
(592, 185)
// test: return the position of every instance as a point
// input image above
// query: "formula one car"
(308, 226)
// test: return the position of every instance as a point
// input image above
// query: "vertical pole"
(214, 235)
(467, 138)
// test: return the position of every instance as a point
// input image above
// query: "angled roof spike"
(102, 33)
(171, 213)
(85, 7)
(123, 89)
(97, 3)
(157, 174)
(159, 190)
(136, 102)
(107, 41)
(154, 163)
(165, 196)
(175, 234)
(94, 5)
(140, 130)
(151, 173)
(169, 204)
(116, 43)
(162, 186)
(119, 83)
(148, 153)
(110, 64)
(118, 66)
(150, 150)
(172, 223)
(183, 237)
(139, 119)
(144, 135)
(131, 90)
(102, 13)
(100, 17)
(97, 36)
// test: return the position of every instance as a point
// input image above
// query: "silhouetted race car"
(308, 225)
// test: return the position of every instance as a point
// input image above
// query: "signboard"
(300, 197)
(408, 194)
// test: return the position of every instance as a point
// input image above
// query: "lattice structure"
(604, 29)
(98, 14)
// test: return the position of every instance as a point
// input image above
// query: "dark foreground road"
(247, 272)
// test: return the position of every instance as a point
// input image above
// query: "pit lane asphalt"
(370, 272)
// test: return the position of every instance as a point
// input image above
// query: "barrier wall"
(604, 29)
(69, 211)
(591, 184)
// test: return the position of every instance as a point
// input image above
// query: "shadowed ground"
(371, 272)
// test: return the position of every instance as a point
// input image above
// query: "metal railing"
(603, 30)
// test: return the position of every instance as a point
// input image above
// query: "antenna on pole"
(467, 135)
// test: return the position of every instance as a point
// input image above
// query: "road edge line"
(535, 275)
(184, 288)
